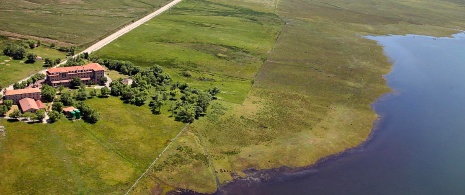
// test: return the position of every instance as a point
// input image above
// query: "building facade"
(16, 95)
(89, 74)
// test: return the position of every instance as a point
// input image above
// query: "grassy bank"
(79, 157)
(71, 21)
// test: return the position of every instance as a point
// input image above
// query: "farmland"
(70, 22)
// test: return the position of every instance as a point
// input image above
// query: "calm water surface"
(419, 144)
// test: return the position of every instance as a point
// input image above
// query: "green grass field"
(75, 22)
(82, 158)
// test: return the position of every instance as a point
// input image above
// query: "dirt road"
(113, 36)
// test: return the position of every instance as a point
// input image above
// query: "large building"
(19, 94)
(89, 74)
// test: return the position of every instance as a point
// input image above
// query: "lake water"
(418, 146)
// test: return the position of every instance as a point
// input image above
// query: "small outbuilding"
(28, 105)
(72, 112)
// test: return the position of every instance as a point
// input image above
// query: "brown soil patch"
(47, 40)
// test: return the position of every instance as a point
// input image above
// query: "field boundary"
(156, 159)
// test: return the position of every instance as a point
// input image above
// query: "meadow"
(71, 22)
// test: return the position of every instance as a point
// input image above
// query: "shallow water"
(418, 146)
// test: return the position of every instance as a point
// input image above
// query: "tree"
(31, 43)
(57, 61)
(61, 88)
(40, 115)
(31, 58)
(54, 116)
(155, 106)
(104, 91)
(103, 80)
(8, 103)
(57, 106)
(214, 91)
(76, 82)
(3, 110)
(88, 114)
(204, 100)
(15, 114)
(48, 62)
(92, 116)
(37, 76)
(66, 99)
(17, 86)
(29, 115)
(81, 95)
(48, 93)
(93, 93)
(185, 113)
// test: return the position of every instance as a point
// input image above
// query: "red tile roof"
(92, 66)
(27, 104)
(22, 91)
(68, 109)
(40, 105)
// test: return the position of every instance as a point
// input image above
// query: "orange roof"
(92, 66)
(27, 104)
(40, 105)
(69, 109)
(22, 91)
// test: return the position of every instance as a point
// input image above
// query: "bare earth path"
(113, 36)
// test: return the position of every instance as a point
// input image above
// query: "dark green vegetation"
(75, 22)
(11, 70)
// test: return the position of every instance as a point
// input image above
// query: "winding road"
(112, 37)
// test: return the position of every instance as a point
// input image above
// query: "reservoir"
(417, 146)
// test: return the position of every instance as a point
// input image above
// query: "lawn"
(75, 22)
(12, 71)
(78, 157)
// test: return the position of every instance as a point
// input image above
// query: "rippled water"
(418, 146)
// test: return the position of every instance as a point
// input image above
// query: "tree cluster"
(16, 51)
(48, 93)
(31, 80)
(124, 67)
(49, 62)
(88, 114)
(5, 107)
(192, 104)
(69, 50)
